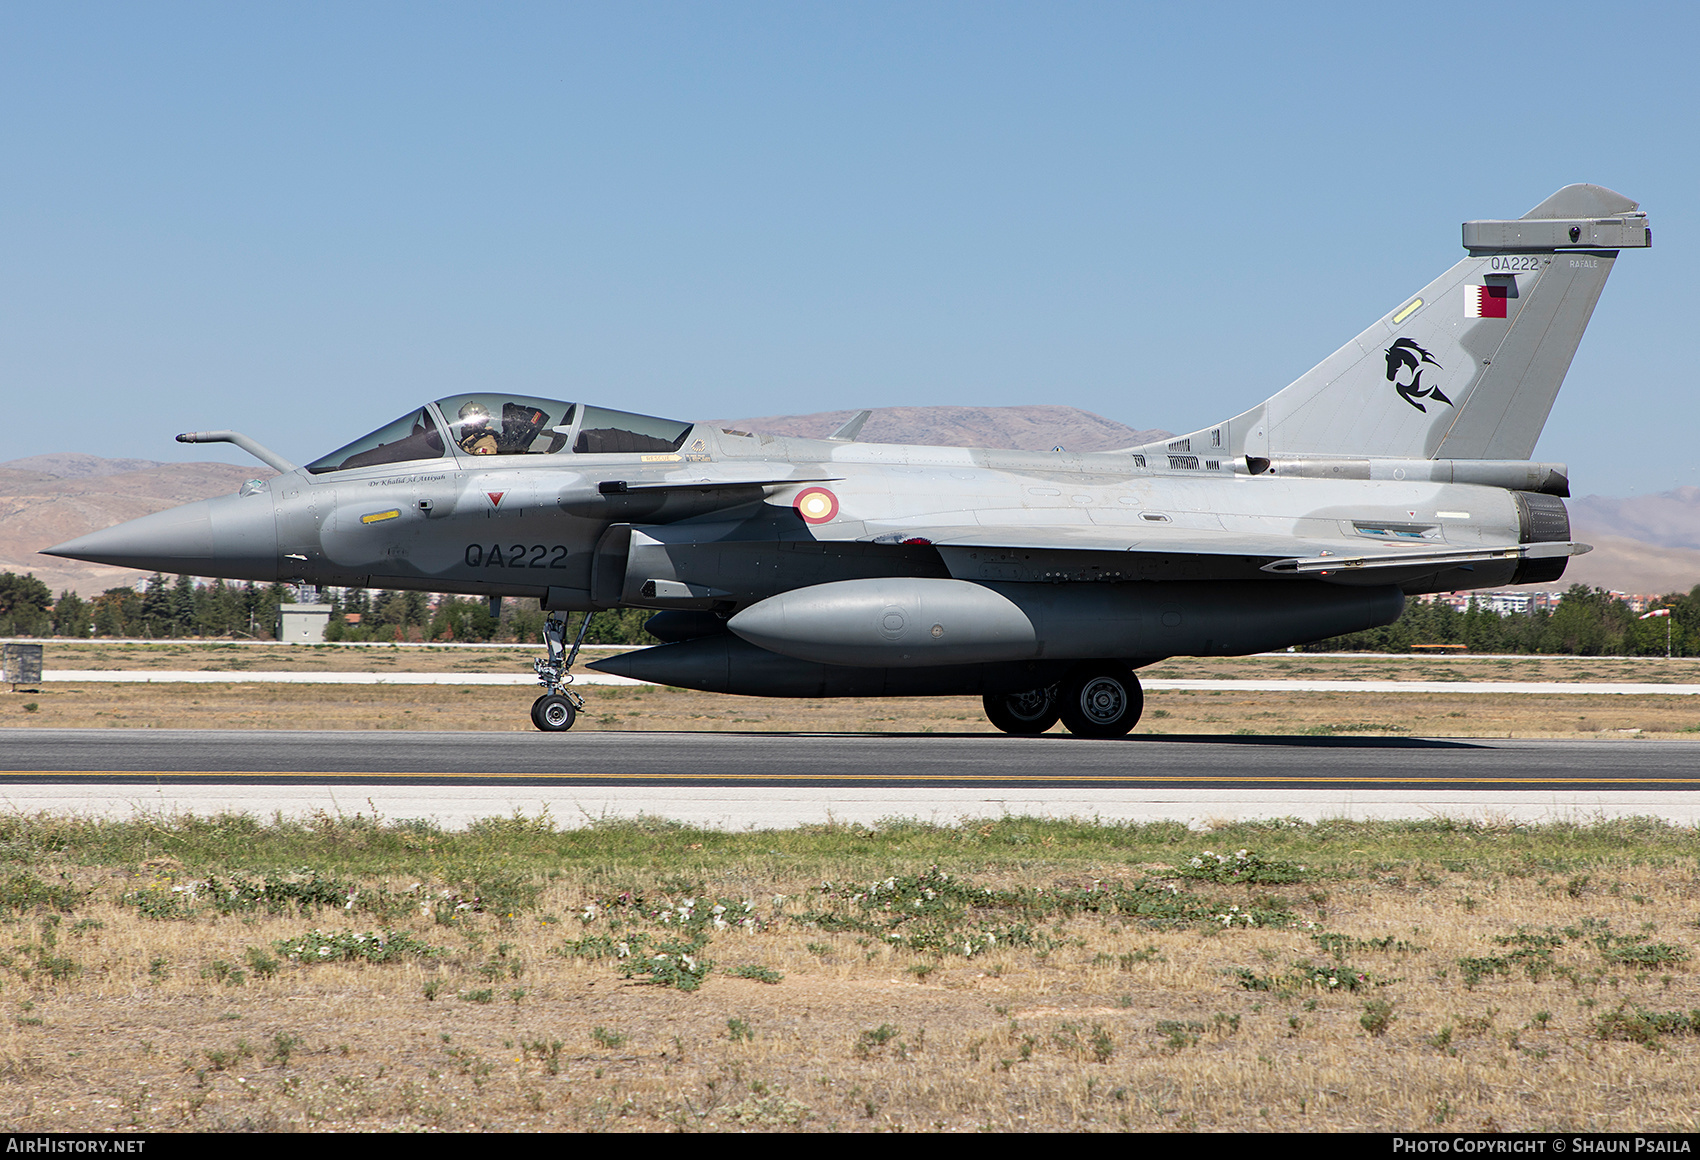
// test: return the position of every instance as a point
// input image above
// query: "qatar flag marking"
(495, 497)
(1484, 301)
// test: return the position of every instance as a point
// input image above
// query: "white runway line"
(166, 677)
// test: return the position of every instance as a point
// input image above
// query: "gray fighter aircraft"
(1040, 581)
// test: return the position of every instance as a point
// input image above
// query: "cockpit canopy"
(494, 424)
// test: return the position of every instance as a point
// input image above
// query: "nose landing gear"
(555, 713)
(558, 708)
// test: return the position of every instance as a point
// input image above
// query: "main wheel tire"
(1101, 700)
(1024, 714)
(553, 713)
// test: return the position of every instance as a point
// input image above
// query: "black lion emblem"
(1403, 355)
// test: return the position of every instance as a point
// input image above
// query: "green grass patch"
(1646, 1027)
(22, 891)
(496, 865)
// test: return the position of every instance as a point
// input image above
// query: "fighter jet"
(1039, 581)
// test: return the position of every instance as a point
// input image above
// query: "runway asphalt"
(735, 780)
(1056, 759)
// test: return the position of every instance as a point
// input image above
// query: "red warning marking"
(495, 497)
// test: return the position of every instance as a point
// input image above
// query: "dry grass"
(1105, 1020)
(272, 706)
(269, 656)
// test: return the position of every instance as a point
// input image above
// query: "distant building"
(302, 623)
(1506, 603)
(1501, 603)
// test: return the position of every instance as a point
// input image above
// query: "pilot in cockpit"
(476, 438)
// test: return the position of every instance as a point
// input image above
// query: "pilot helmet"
(474, 414)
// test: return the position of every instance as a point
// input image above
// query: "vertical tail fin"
(1468, 367)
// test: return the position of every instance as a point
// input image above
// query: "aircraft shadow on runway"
(1286, 741)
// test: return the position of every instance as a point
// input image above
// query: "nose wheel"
(558, 708)
(553, 713)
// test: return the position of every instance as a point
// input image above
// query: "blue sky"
(299, 220)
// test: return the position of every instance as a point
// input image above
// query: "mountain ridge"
(1670, 519)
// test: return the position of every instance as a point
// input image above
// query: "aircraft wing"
(1285, 555)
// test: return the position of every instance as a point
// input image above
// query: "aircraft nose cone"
(179, 535)
(234, 537)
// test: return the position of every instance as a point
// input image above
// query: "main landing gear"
(1023, 714)
(557, 709)
(1096, 699)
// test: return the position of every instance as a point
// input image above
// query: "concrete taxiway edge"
(737, 809)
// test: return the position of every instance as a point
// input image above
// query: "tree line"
(163, 608)
(166, 609)
(1586, 622)
(361, 614)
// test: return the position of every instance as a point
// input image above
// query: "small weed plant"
(319, 946)
(1241, 866)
